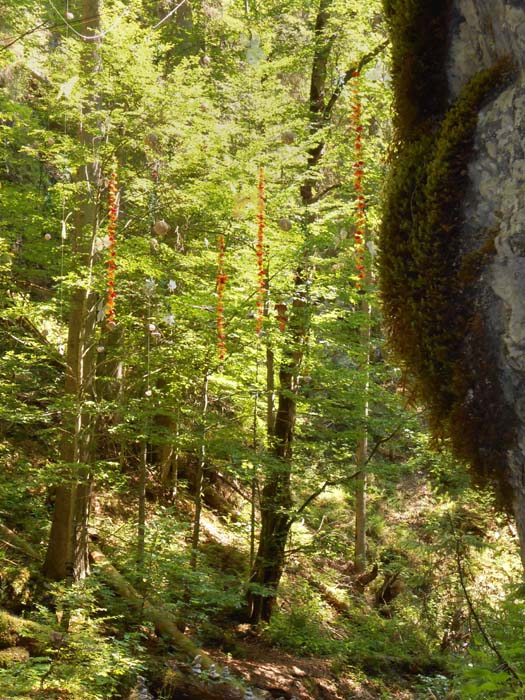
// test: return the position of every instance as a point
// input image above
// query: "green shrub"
(480, 674)
(304, 627)
(91, 661)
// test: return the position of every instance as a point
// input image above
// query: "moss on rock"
(15, 631)
(13, 655)
(418, 31)
(427, 293)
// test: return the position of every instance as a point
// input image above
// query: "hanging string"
(89, 37)
(261, 275)
(149, 328)
(358, 168)
(101, 35)
(112, 252)
(221, 286)
(170, 13)
(154, 200)
(255, 445)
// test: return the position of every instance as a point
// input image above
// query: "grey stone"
(483, 31)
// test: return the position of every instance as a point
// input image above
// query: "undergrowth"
(425, 638)
(93, 659)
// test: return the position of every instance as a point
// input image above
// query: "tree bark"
(361, 480)
(67, 552)
(276, 496)
(199, 477)
(276, 503)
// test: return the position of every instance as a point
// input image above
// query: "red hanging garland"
(261, 288)
(358, 167)
(221, 286)
(111, 262)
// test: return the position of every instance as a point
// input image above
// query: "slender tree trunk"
(362, 454)
(361, 479)
(276, 496)
(270, 427)
(141, 524)
(109, 388)
(270, 391)
(360, 508)
(67, 552)
(199, 477)
(255, 446)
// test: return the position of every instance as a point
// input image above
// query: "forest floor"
(328, 639)
(273, 673)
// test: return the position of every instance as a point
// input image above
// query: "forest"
(254, 440)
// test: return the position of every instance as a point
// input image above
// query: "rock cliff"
(482, 31)
(459, 292)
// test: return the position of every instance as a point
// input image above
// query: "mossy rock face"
(10, 630)
(428, 288)
(15, 631)
(418, 30)
(13, 655)
(424, 296)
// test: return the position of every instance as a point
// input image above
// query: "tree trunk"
(270, 391)
(169, 456)
(276, 496)
(276, 502)
(67, 548)
(199, 477)
(67, 553)
(141, 520)
(360, 507)
(362, 447)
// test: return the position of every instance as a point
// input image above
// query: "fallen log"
(16, 629)
(164, 621)
(181, 681)
(14, 540)
(331, 598)
(18, 632)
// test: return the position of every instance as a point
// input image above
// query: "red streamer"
(222, 278)
(261, 274)
(112, 259)
(358, 168)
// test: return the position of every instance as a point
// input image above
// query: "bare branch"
(382, 441)
(488, 641)
(358, 67)
(326, 191)
(318, 492)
